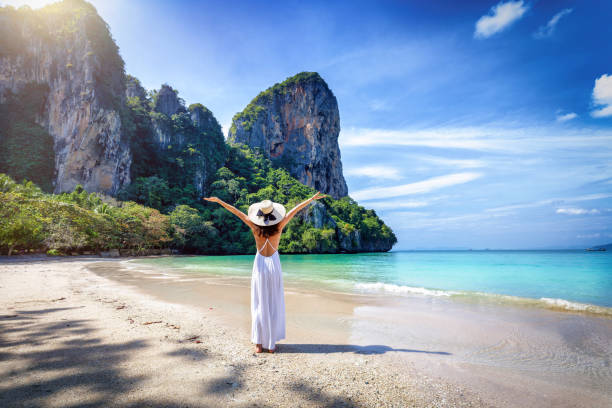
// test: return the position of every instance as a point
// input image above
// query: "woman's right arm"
(299, 207)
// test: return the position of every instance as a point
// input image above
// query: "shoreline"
(377, 288)
(342, 348)
(442, 336)
(72, 337)
(395, 290)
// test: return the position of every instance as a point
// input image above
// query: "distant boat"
(595, 249)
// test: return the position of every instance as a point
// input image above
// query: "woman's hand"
(212, 199)
(319, 196)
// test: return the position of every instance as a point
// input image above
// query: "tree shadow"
(348, 348)
(21, 313)
(233, 381)
(189, 354)
(41, 372)
(80, 362)
(295, 393)
(322, 398)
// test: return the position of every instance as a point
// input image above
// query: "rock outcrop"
(68, 47)
(349, 240)
(168, 102)
(134, 89)
(188, 137)
(296, 124)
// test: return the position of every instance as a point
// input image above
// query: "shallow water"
(503, 347)
(571, 280)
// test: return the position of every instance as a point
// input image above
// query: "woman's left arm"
(232, 209)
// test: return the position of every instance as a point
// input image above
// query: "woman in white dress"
(267, 220)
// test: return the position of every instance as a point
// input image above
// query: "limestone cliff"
(134, 89)
(296, 124)
(184, 146)
(191, 137)
(69, 115)
(67, 47)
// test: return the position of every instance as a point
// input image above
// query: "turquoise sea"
(571, 280)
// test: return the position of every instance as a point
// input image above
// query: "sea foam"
(547, 303)
(575, 306)
(400, 289)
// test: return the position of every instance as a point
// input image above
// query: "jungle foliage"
(31, 219)
(26, 148)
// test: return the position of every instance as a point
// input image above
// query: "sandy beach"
(98, 332)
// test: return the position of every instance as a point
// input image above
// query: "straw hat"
(266, 213)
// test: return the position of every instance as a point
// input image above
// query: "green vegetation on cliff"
(248, 177)
(79, 221)
(26, 148)
(167, 174)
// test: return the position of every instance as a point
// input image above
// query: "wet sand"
(341, 349)
(71, 337)
(511, 355)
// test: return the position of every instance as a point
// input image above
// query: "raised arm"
(232, 209)
(299, 207)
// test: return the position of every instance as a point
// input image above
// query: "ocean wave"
(398, 289)
(575, 306)
(547, 303)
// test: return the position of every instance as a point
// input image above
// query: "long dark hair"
(267, 231)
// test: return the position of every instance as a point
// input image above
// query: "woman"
(267, 220)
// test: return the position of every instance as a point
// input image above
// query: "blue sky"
(472, 124)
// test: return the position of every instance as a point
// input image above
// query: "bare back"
(267, 246)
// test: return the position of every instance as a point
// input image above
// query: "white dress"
(267, 300)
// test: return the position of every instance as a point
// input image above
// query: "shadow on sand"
(90, 372)
(76, 363)
(348, 348)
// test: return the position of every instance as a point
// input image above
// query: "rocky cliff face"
(168, 102)
(67, 46)
(188, 143)
(296, 124)
(134, 89)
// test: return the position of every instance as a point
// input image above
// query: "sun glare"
(35, 4)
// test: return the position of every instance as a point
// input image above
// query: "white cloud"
(499, 18)
(381, 172)
(603, 112)
(485, 138)
(548, 29)
(587, 236)
(566, 117)
(378, 105)
(411, 220)
(550, 201)
(385, 205)
(466, 138)
(576, 211)
(419, 187)
(446, 162)
(602, 96)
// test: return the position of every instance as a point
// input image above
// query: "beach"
(105, 332)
